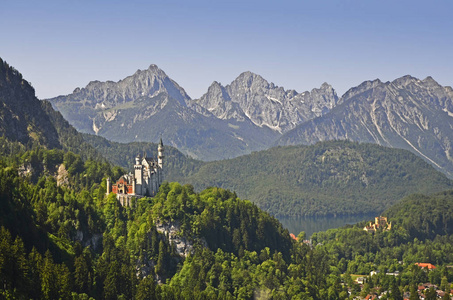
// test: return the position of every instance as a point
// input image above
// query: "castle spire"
(160, 154)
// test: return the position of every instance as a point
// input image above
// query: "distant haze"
(61, 45)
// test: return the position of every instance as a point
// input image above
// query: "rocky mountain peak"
(429, 81)
(407, 113)
(364, 86)
(218, 91)
(251, 97)
(249, 80)
(405, 81)
(153, 67)
(143, 83)
(325, 86)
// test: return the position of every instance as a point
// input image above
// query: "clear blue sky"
(61, 45)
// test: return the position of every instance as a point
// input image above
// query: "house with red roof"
(426, 266)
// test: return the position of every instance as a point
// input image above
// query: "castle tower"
(138, 175)
(160, 154)
(109, 186)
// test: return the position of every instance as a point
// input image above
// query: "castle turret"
(109, 186)
(160, 154)
(138, 175)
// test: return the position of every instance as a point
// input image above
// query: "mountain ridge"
(149, 105)
(406, 113)
(250, 96)
(251, 114)
(26, 122)
(327, 178)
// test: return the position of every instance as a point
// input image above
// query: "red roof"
(426, 265)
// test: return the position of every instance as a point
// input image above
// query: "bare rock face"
(251, 97)
(62, 176)
(144, 83)
(89, 108)
(406, 113)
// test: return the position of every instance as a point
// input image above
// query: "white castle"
(145, 181)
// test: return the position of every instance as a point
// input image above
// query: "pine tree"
(146, 289)
(81, 274)
(160, 259)
(48, 280)
(414, 293)
(431, 294)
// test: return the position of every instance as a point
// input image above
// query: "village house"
(426, 266)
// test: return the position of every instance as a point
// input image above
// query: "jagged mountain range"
(252, 114)
(148, 105)
(406, 113)
(251, 97)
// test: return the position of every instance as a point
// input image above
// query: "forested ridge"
(421, 233)
(328, 178)
(70, 240)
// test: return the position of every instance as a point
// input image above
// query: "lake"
(315, 224)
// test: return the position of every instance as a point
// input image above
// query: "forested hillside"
(66, 239)
(60, 238)
(421, 233)
(328, 178)
(27, 122)
(336, 177)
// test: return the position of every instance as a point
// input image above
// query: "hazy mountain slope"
(251, 97)
(323, 179)
(407, 113)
